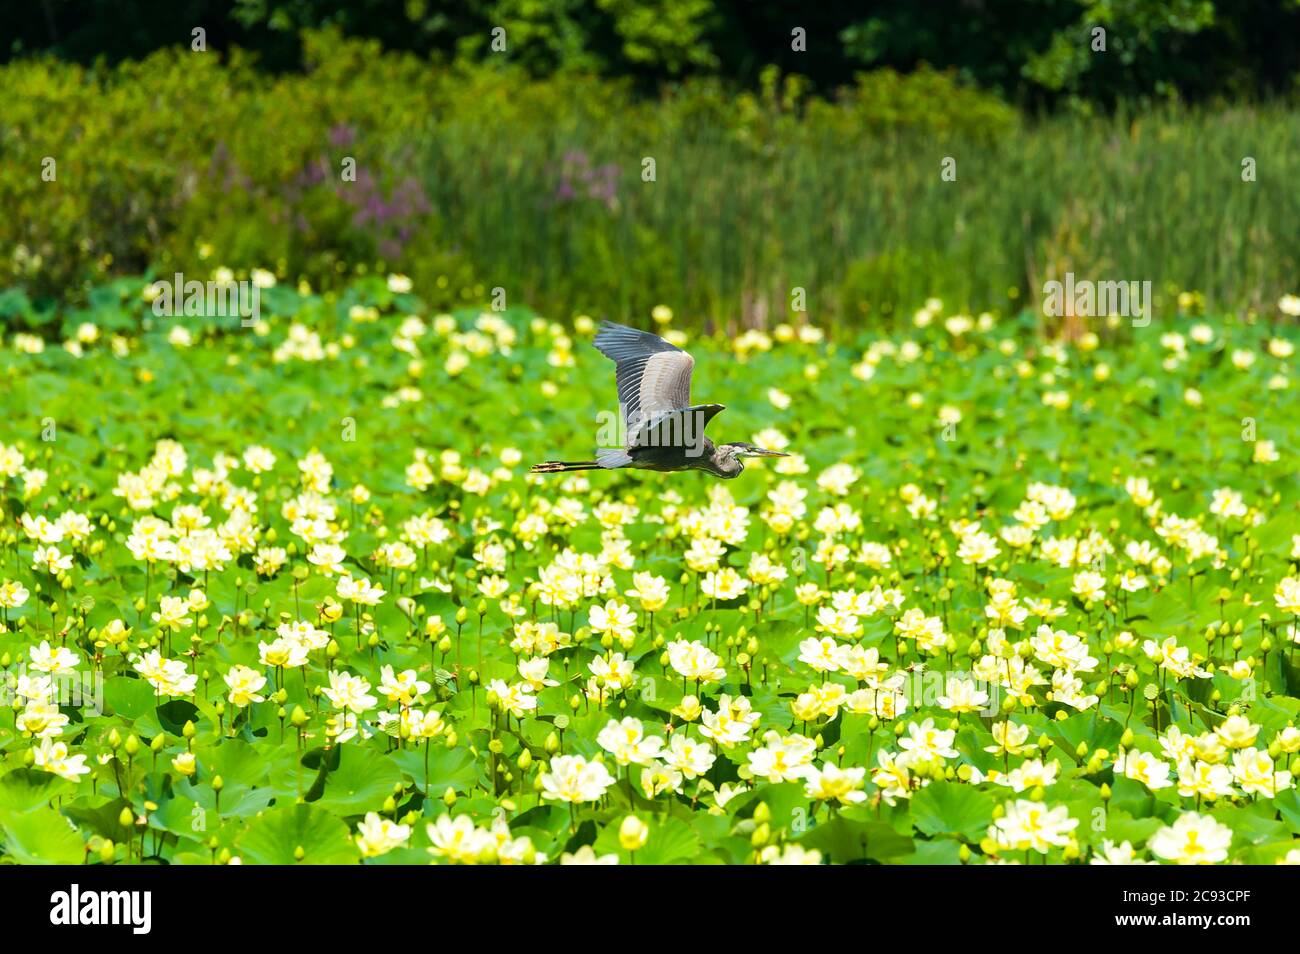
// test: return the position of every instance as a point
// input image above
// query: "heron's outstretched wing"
(654, 377)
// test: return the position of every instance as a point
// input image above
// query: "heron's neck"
(724, 462)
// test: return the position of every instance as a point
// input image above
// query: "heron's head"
(730, 457)
(744, 449)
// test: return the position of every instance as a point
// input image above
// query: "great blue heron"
(664, 430)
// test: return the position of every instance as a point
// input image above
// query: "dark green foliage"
(1032, 51)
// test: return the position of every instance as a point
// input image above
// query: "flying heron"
(664, 430)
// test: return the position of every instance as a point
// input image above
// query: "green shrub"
(183, 161)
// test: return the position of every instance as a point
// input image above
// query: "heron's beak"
(764, 452)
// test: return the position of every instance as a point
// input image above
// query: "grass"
(866, 224)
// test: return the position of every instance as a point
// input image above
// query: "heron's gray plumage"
(653, 376)
(664, 430)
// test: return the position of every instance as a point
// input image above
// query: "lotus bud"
(632, 834)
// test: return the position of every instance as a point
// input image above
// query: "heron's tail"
(560, 466)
